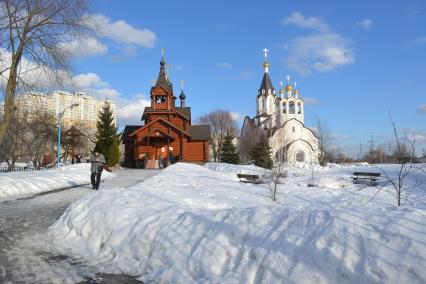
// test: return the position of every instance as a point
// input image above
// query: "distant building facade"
(84, 115)
(280, 119)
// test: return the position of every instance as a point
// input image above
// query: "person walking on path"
(98, 162)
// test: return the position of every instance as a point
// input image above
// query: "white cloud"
(105, 93)
(310, 101)
(122, 32)
(119, 31)
(224, 65)
(365, 23)
(34, 75)
(322, 51)
(420, 40)
(420, 137)
(245, 75)
(85, 47)
(92, 84)
(340, 136)
(131, 50)
(88, 80)
(421, 108)
(301, 21)
(129, 110)
(236, 116)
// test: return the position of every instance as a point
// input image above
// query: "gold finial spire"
(167, 71)
(288, 87)
(181, 84)
(162, 52)
(266, 64)
(281, 88)
(296, 92)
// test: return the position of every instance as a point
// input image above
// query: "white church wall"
(294, 132)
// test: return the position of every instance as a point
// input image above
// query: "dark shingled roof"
(162, 80)
(128, 130)
(199, 132)
(266, 83)
(186, 111)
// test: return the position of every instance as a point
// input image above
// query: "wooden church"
(167, 134)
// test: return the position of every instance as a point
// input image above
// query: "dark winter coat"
(97, 162)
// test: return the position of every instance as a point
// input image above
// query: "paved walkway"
(24, 251)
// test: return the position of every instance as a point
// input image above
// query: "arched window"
(291, 107)
(260, 103)
(299, 108)
(300, 156)
(294, 129)
(284, 107)
(263, 103)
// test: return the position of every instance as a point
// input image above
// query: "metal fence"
(6, 169)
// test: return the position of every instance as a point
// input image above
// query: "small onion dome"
(266, 65)
(182, 95)
(296, 91)
(288, 87)
(281, 91)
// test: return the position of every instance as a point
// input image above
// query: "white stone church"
(280, 118)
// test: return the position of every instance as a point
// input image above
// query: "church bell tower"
(265, 100)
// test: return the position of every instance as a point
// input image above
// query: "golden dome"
(281, 91)
(288, 88)
(265, 65)
(296, 91)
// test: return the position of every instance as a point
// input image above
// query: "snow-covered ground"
(26, 255)
(24, 183)
(194, 224)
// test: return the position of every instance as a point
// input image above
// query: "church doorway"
(300, 156)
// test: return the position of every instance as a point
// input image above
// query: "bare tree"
(400, 183)
(76, 140)
(323, 134)
(221, 122)
(274, 177)
(36, 35)
(12, 149)
(248, 139)
(38, 134)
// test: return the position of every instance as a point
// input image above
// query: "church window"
(300, 156)
(263, 104)
(299, 108)
(284, 107)
(260, 104)
(160, 99)
(291, 108)
(294, 129)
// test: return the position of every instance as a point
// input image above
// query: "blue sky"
(354, 61)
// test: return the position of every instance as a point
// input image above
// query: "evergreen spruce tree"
(228, 152)
(106, 138)
(260, 154)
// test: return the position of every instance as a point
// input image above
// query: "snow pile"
(235, 169)
(193, 225)
(19, 183)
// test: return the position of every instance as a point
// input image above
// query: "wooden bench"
(365, 175)
(248, 178)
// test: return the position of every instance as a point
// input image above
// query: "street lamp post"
(58, 125)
